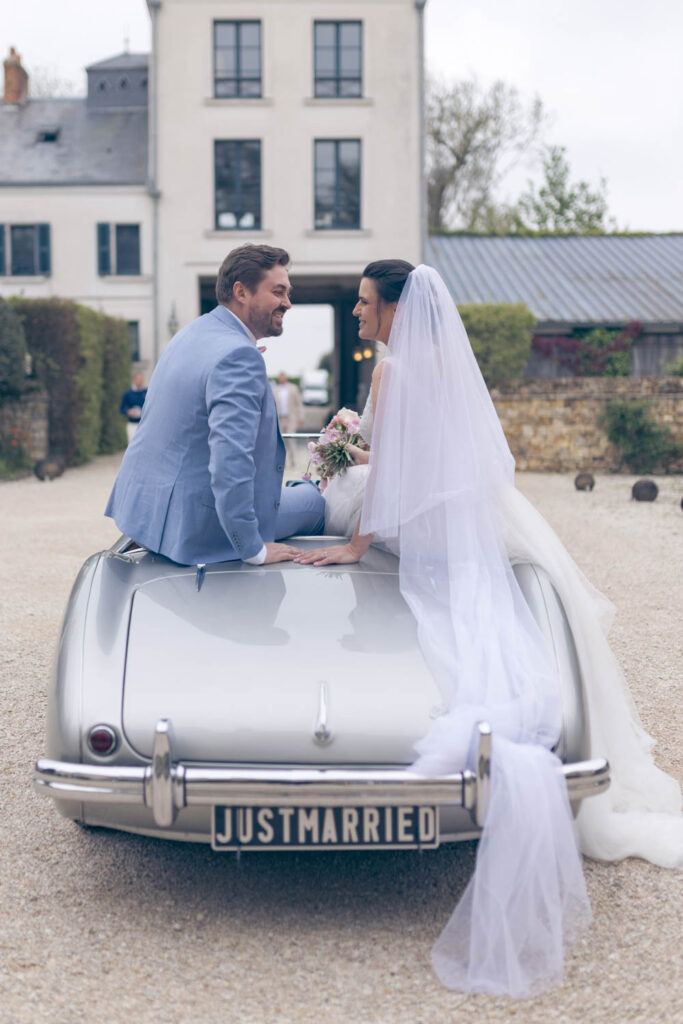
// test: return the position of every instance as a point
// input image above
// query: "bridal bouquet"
(329, 454)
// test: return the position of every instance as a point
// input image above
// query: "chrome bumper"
(166, 786)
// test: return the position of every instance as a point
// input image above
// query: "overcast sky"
(610, 73)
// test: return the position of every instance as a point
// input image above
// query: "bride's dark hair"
(389, 276)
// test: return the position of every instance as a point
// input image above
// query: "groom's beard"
(266, 325)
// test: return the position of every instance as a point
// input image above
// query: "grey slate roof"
(94, 147)
(575, 279)
(122, 62)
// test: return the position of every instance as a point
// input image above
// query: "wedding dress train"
(638, 815)
(440, 493)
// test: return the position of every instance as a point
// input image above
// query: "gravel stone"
(96, 923)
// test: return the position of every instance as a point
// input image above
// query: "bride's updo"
(389, 276)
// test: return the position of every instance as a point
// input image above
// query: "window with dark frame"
(237, 59)
(338, 59)
(118, 250)
(128, 249)
(134, 340)
(25, 250)
(237, 184)
(337, 183)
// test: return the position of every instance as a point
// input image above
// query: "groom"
(201, 480)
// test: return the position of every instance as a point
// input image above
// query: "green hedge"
(500, 336)
(82, 359)
(116, 376)
(12, 352)
(644, 445)
(89, 384)
(14, 461)
(52, 339)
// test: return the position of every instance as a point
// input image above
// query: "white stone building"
(292, 122)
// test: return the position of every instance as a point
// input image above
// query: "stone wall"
(553, 424)
(24, 420)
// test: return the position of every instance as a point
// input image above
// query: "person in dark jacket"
(132, 403)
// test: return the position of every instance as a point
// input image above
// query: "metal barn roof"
(575, 279)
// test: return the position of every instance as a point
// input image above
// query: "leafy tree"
(605, 353)
(500, 336)
(598, 352)
(561, 206)
(474, 137)
(12, 352)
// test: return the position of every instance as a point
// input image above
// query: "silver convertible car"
(268, 707)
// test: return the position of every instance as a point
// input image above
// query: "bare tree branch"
(475, 136)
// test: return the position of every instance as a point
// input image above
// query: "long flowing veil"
(439, 470)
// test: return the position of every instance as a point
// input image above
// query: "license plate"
(325, 828)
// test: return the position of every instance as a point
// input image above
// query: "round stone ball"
(644, 490)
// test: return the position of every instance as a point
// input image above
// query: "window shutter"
(3, 254)
(44, 249)
(103, 250)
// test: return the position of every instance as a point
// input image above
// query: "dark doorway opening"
(352, 369)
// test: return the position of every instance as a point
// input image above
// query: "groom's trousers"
(301, 511)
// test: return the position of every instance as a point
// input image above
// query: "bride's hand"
(340, 554)
(360, 456)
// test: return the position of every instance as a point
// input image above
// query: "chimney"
(16, 79)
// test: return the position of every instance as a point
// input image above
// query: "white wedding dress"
(619, 823)
(344, 493)
(439, 490)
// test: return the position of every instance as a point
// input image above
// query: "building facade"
(291, 122)
(73, 181)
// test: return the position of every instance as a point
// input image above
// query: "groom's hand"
(280, 553)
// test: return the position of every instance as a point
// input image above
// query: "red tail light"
(102, 740)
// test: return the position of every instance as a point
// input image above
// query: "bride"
(439, 491)
(377, 300)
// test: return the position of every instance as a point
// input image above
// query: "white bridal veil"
(441, 491)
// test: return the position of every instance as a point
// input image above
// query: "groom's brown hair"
(248, 264)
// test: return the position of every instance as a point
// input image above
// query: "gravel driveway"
(100, 925)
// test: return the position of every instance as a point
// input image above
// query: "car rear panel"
(255, 663)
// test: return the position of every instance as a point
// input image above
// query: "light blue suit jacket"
(201, 479)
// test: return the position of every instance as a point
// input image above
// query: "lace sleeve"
(366, 420)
